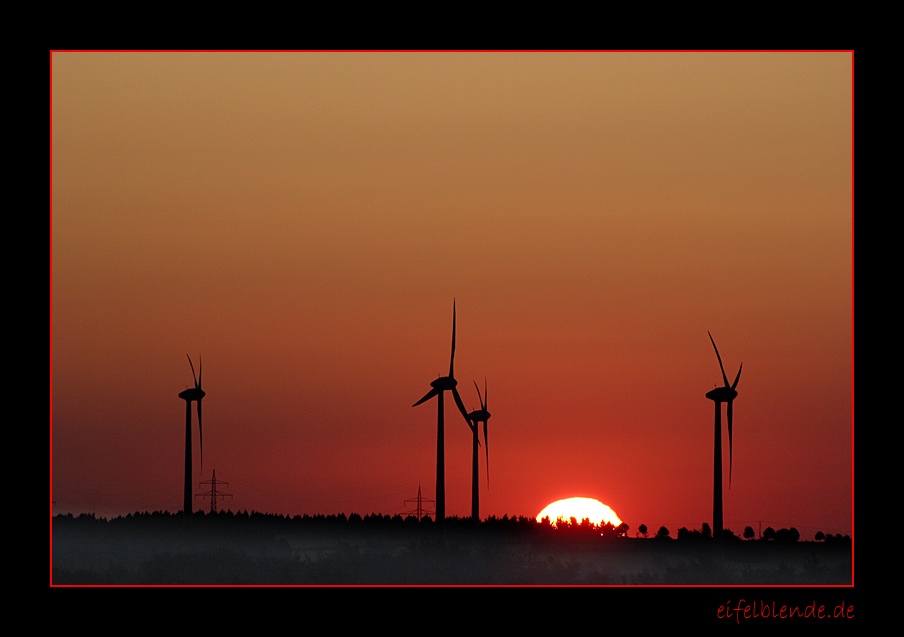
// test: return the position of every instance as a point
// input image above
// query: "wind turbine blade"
(486, 442)
(738, 377)
(729, 443)
(195, 378)
(479, 397)
(200, 437)
(452, 358)
(461, 405)
(724, 377)
(430, 394)
(486, 394)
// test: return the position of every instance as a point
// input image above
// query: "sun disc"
(579, 508)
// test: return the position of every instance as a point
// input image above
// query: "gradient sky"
(304, 220)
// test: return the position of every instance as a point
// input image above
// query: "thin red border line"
(50, 176)
(853, 569)
(851, 51)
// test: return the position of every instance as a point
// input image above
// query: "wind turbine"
(439, 387)
(191, 394)
(719, 395)
(474, 418)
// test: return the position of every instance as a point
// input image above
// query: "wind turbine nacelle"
(480, 415)
(722, 394)
(192, 393)
(444, 383)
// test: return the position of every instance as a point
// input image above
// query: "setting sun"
(579, 509)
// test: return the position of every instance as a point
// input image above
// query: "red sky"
(304, 220)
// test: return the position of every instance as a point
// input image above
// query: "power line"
(214, 492)
(420, 511)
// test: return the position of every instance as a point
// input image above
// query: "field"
(261, 550)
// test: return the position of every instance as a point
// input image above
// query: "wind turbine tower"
(190, 395)
(439, 387)
(474, 419)
(725, 394)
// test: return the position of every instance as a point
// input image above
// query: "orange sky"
(304, 220)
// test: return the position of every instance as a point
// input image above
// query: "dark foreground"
(161, 550)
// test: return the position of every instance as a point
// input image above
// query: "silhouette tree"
(607, 530)
(769, 533)
(749, 533)
(663, 532)
(686, 534)
(787, 535)
(642, 530)
(820, 536)
(838, 538)
(622, 529)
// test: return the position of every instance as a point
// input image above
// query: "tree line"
(376, 523)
